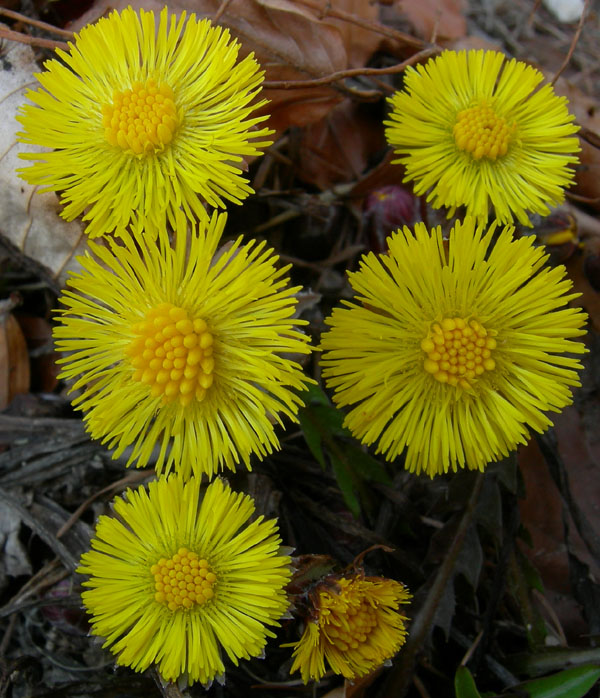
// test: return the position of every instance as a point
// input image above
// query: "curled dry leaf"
(29, 221)
(14, 359)
(337, 148)
(360, 43)
(587, 114)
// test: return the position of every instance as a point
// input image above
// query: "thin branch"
(11, 502)
(534, 9)
(350, 73)
(582, 199)
(221, 11)
(11, 35)
(36, 23)
(573, 43)
(376, 27)
(132, 478)
(589, 136)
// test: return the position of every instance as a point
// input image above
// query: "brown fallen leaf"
(587, 114)
(360, 42)
(14, 359)
(541, 516)
(337, 148)
(445, 18)
(38, 336)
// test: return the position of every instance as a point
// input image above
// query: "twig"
(582, 199)
(7, 634)
(35, 23)
(402, 675)
(534, 9)
(573, 43)
(472, 647)
(133, 477)
(554, 619)
(221, 11)
(420, 686)
(589, 136)
(61, 551)
(48, 575)
(350, 73)
(11, 35)
(376, 27)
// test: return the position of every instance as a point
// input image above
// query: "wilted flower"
(175, 579)
(175, 347)
(464, 346)
(355, 626)
(144, 120)
(472, 130)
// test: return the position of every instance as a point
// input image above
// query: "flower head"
(174, 579)
(471, 129)
(177, 347)
(356, 626)
(144, 118)
(463, 346)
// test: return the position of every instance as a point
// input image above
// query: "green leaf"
(314, 395)
(345, 480)
(571, 683)
(312, 436)
(324, 432)
(364, 465)
(464, 684)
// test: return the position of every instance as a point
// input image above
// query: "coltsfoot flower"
(473, 131)
(176, 578)
(144, 119)
(356, 625)
(464, 345)
(172, 346)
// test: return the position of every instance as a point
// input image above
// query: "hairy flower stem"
(401, 676)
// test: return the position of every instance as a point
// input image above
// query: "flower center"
(173, 354)
(481, 132)
(142, 119)
(350, 628)
(458, 351)
(183, 580)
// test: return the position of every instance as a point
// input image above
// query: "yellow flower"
(356, 625)
(180, 347)
(173, 581)
(462, 344)
(472, 130)
(144, 119)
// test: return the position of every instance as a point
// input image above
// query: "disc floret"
(458, 351)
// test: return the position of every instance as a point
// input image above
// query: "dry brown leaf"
(337, 148)
(360, 43)
(587, 113)
(14, 360)
(579, 448)
(445, 18)
(42, 359)
(30, 221)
